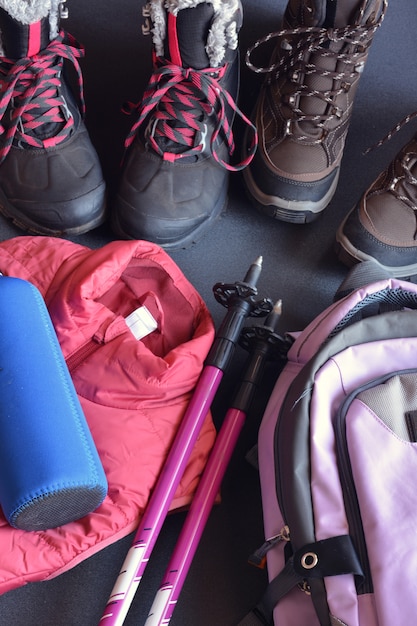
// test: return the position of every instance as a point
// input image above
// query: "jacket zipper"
(80, 355)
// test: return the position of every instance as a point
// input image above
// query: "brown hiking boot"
(383, 226)
(304, 108)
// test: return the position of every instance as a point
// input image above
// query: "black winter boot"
(51, 180)
(175, 177)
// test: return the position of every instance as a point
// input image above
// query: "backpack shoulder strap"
(294, 573)
(261, 614)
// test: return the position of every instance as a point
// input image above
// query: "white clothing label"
(141, 322)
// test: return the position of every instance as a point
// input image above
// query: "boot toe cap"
(168, 203)
(54, 191)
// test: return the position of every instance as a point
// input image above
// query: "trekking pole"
(263, 343)
(239, 298)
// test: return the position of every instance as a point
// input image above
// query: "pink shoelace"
(177, 101)
(29, 89)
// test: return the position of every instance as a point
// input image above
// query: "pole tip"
(258, 261)
(277, 308)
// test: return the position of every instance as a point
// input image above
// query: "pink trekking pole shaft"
(264, 343)
(239, 298)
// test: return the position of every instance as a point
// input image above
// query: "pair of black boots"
(173, 183)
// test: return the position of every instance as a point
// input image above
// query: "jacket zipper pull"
(80, 355)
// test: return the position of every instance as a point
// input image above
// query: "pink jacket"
(133, 392)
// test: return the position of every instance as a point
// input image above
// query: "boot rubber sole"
(24, 222)
(185, 241)
(349, 255)
(297, 212)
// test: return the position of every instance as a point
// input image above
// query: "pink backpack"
(338, 460)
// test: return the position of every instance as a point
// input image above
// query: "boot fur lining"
(223, 33)
(31, 11)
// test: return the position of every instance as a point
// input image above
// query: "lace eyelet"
(393, 184)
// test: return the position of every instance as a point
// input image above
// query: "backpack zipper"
(350, 497)
(258, 558)
(346, 478)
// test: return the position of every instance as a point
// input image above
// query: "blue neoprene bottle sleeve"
(50, 471)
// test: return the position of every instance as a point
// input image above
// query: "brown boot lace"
(345, 46)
